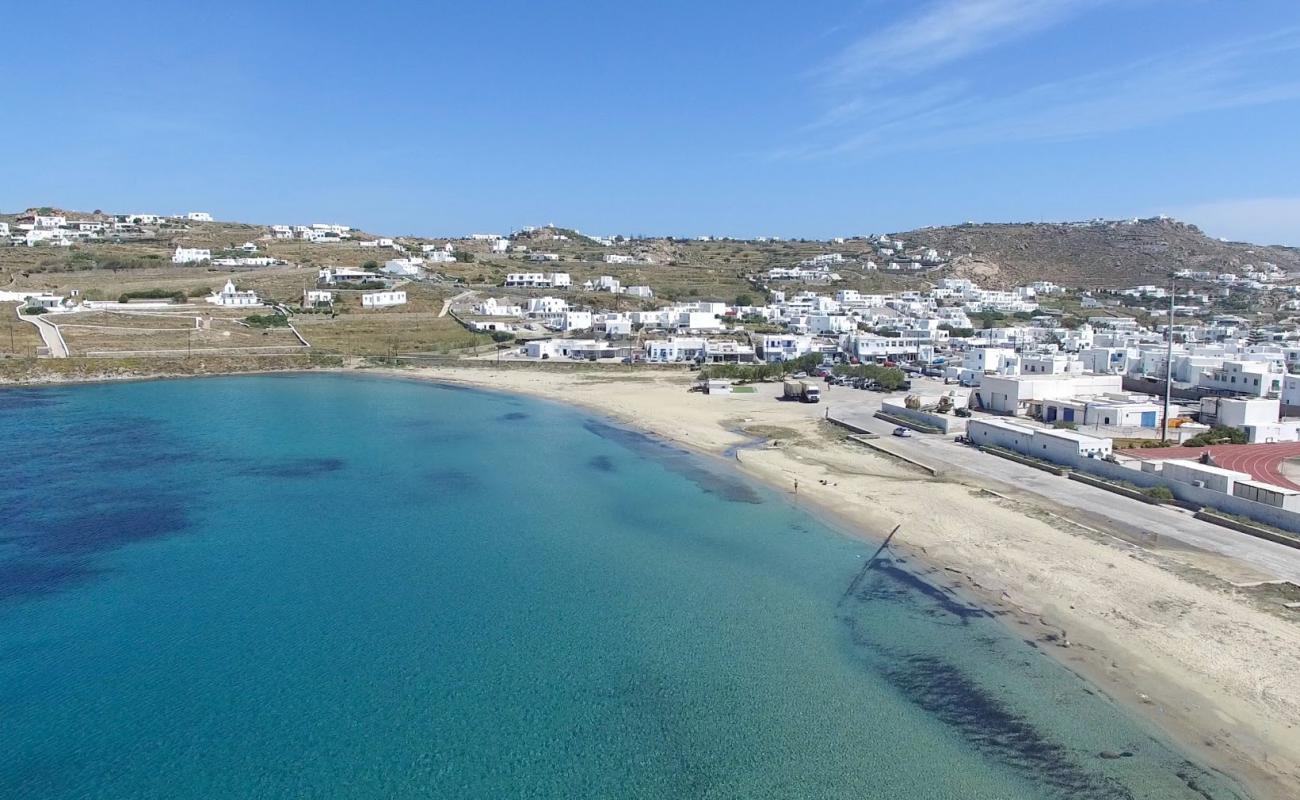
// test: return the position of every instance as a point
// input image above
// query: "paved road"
(942, 453)
(446, 304)
(50, 334)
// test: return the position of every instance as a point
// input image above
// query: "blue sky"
(727, 117)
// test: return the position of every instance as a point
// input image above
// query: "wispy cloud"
(944, 31)
(1267, 220)
(1137, 94)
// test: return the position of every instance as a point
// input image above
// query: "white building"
(384, 299)
(406, 267)
(616, 258)
(1112, 410)
(674, 348)
(335, 275)
(779, 347)
(231, 297)
(191, 255)
(198, 216)
(491, 307)
(1025, 394)
(1056, 446)
(281, 232)
(546, 306)
(1255, 378)
(538, 280)
(312, 298)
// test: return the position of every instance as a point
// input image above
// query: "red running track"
(1263, 462)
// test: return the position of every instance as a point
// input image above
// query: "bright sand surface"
(1156, 629)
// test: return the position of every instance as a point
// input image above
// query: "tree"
(743, 299)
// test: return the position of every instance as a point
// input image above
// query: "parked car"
(903, 432)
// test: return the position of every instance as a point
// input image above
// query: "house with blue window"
(1117, 410)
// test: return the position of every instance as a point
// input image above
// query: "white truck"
(803, 391)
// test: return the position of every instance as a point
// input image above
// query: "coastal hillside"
(1091, 255)
(1097, 254)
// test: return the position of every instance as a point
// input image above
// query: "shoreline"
(1184, 714)
(1254, 740)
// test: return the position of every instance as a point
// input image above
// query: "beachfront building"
(778, 347)
(1048, 444)
(674, 348)
(384, 299)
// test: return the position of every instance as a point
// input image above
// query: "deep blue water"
(330, 586)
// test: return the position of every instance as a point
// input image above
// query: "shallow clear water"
(329, 586)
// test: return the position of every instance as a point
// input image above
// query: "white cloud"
(1261, 220)
(1141, 93)
(944, 31)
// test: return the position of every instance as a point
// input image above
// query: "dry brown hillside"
(1101, 254)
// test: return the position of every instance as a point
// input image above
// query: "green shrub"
(1160, 493)
(1216, 435)
(267, 321)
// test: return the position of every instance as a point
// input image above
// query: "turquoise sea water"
(339, 587)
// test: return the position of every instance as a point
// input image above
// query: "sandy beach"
(1159, 629)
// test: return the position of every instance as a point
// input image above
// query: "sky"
(749, 118)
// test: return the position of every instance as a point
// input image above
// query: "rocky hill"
(1094, 254)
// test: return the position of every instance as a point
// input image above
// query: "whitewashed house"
(406, 267)
(384, 299)
(281, 232)
(191, 255)
(335, 275)
(198, 216)
(315, 298)
(674, 348)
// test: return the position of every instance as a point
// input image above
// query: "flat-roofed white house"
(674, 348)
(407, 267)
(229, 296)
(191, 255)
(384, 299)
(315, 298)
(46, 301)
(1057, 446)
(198, 216)
(335, 275)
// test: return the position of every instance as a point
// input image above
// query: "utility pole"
(1169, 364)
